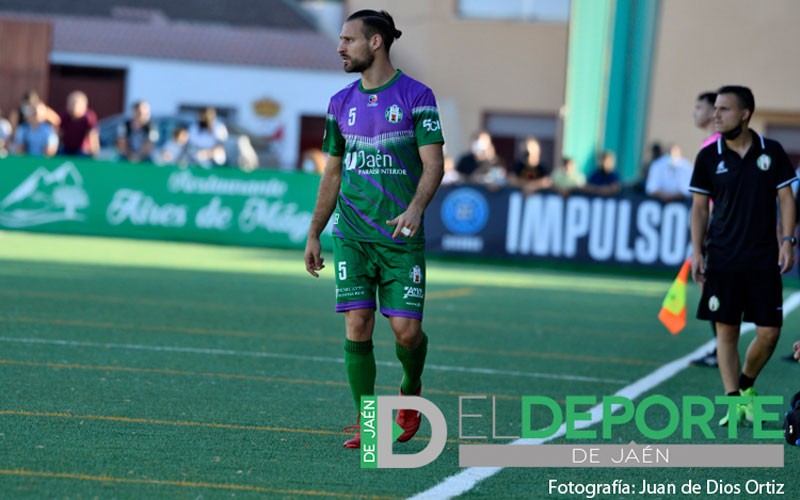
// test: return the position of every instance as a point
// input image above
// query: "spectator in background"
(137, 136)
(313, 161)
(794, 356)
(528, 172)
(669, 176)
(451, 175)
(703, 115)
(207, 137)
(79, 135)
(36, 136)
(481, 165)
(604, 180)
(176, 150)
(5, 134)
(26, 107)
(638, 186)
(568, 178)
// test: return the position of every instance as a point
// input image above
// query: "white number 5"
(351, 117)
(343, 270)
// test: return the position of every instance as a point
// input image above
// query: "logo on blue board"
(465, 211)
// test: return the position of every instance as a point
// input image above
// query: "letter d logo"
(387, 459)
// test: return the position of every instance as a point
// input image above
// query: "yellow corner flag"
(673, 310)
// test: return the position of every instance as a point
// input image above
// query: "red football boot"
(354, 442)
(409, 420)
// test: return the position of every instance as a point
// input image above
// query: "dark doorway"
(105, 88)
(312, 128)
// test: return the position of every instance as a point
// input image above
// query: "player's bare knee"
(360, 324)
(407, 332)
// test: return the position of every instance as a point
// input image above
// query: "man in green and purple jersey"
(385, 163)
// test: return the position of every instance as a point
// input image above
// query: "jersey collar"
(382, 87)
(721, 141)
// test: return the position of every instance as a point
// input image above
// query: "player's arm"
(699, 228)
(432, 157)
(326, 203)
(788, 219)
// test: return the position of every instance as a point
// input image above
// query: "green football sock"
(359, 361)
(413, 362)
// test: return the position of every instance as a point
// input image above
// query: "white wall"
(168, 84)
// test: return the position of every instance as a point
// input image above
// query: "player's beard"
(359, 65)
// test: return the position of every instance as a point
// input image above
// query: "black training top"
(741, 234)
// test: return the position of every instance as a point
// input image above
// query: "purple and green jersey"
(378, 133)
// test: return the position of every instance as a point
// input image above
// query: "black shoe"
(708, 360)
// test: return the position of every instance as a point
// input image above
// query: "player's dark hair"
(709, 97)
(743, 94)
(378, 23)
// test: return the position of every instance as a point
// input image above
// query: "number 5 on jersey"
(351, 117)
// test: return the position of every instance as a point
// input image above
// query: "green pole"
(634, 37)
(609, 68)
(587, 58)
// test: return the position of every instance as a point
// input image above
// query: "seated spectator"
(36, 137)
(528, 171)
(604, 180)
(669, 176)
(176, 150)
(137, 136)
(26, 107)
(206, 140)
(79, 135)
(568, 178)
(481, 165)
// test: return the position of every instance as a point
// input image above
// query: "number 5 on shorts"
(342, 270)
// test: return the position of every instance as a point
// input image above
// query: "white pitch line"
(296, 357)
(465, 480)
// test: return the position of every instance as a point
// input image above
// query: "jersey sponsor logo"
(431, 125)
(721, 169)
(360, 160)
(764, 162)
(372, 100)
(394, 114)
(349, 291)
(413, 292)
(713, 303)
(415, 275)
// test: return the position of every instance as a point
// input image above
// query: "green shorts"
(397, 272)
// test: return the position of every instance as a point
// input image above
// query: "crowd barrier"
(223, 206)
(273, 209)
(625, 230)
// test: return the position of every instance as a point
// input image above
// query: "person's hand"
(786, 257)
(796, 348)
(698, 269)
(406, 224)
(313, 259)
